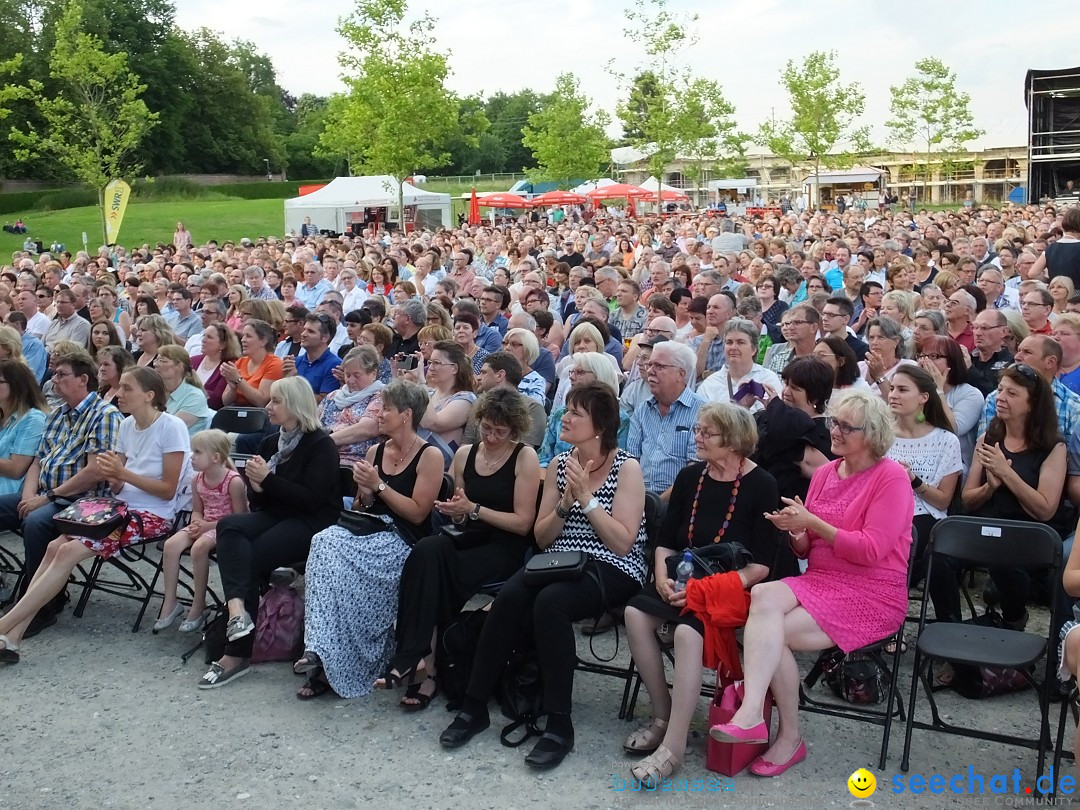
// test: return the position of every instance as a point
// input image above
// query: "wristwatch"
(592, 504)
(380, 488)
(51, 495)
(475, 513)
(880, 380)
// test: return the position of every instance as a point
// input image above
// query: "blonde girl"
(218, 491)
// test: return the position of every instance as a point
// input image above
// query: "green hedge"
(159, 190)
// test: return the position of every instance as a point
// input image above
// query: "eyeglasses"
(833, 315)
(59, 375)
(835, 424)
(495, 301)
(931, 357)
(794, 323)
(698, 430)
(578, 372)
(656, 365)
(1030, 304)
(978, 327)
(496, 433)
(440, 363)
(655, 332)
(1023, 369)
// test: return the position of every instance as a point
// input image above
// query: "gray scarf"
(344, 398)
(287, 441)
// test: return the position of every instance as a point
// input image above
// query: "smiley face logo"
(862, 784)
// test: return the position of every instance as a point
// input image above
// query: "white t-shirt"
(144, 450)
(39, 325)
(934, 456)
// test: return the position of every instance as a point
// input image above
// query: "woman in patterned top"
(594, 503)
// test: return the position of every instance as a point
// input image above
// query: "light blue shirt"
(664, 444)
(21, 437)
(310, 298)
(36, 356)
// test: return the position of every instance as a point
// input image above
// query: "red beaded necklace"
(730, 509)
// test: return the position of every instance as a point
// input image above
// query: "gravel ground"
(99, 717)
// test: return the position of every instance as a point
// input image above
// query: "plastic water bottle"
(683, 571)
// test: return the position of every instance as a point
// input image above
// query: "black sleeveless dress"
(403, 482)
(496, 492)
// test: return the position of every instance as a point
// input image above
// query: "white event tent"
(347, 201)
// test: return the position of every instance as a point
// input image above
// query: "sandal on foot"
(890, 648)
(390, 680)
(647, 738)
(656, 767)
(414, 693)
(308, 663)
(9, 653)
(315, 686)
(217, 676)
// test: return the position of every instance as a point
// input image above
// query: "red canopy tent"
(474, 209)
(502, 199)
(619, 191)
(559, 198)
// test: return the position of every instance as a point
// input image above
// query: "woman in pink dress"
(855, 530)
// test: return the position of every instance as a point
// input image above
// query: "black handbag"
(361, 523)
(555, 566)
(719, 558)
(856, 677)
(93, 517)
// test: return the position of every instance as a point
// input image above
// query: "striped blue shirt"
(664, 444)
(71, 434)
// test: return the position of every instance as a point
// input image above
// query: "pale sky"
(509, 44)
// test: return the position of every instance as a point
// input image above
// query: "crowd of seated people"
(766, 379)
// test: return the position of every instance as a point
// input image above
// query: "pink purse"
(732, 759)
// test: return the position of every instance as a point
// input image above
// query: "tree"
(397, 114)
(508, 114)
(824, 113)
(96, 123)
(667, 111)
(566, 142)
(928, 110)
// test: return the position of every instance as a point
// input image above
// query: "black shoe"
(550, 751)
(43, 619)
(463, 729)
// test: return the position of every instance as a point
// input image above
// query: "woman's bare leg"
(685, 695)
(763, 647)
(200, 572)
(641, 632)
(46, 584)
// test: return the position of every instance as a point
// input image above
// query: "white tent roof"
(856, 174)
(585, 188)
(651, 184)
(739, 184)
(378, 190)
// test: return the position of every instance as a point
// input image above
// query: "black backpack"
(456, 651)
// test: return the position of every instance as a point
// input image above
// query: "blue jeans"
(38, 530)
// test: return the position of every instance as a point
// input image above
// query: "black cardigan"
(306, 486)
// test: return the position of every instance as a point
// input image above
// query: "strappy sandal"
(414, 693)
(647, 738)
(315, 686)
(309, 662)
(656, 767)
(392, 681)
(9, 653)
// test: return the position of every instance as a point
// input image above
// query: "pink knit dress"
(855, 588)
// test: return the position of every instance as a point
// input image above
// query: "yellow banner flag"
(116, 200)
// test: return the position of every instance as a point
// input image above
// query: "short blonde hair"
(1069, 319)
(214, 441)
(1017, 327)
(872, 412)
(586, 330)
(736, 426)
(299, 400)
(529, 343)
(12, 341)
(1063, 281)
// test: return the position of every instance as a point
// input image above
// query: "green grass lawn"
(150, 223)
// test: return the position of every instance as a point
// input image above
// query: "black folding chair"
(628, 674)
(894, 704)
(240, 419)
(988, 544)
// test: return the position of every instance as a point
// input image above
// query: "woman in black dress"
(724, 498)
(1062, 258)
(494, 504)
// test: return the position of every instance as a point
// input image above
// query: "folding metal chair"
(653, 510)
(136, 587)
(891, 666)
(989, 544)
(240, 419)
